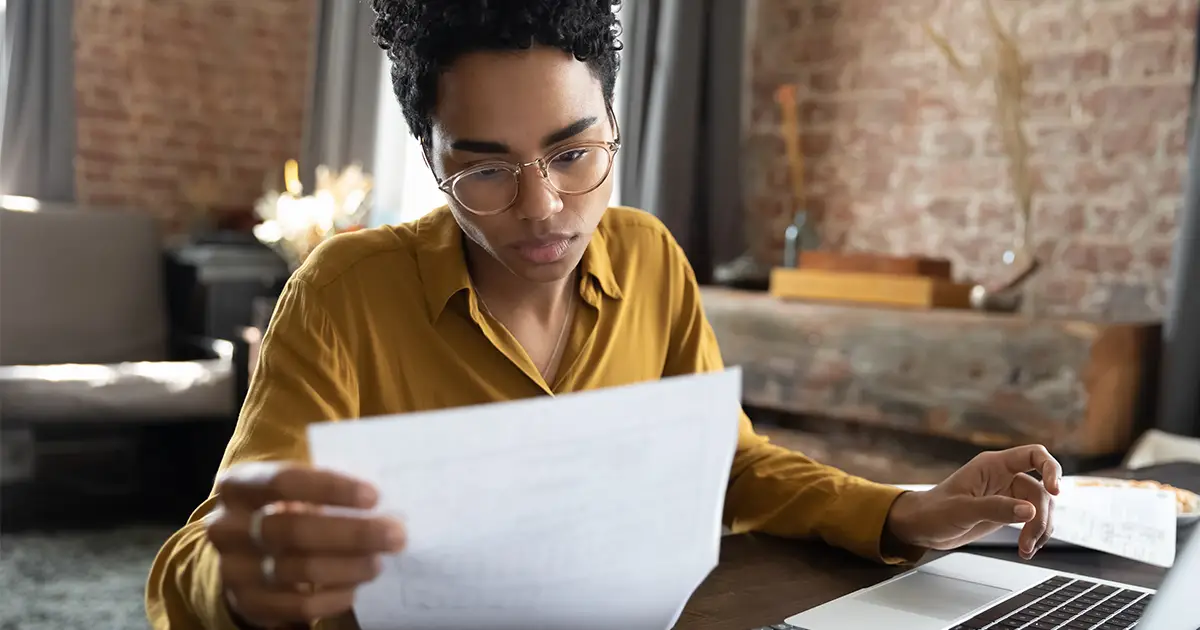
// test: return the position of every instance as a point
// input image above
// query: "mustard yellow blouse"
(385, 320)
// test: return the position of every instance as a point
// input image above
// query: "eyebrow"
(491, 146)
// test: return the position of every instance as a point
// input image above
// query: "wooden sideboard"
(1082, 388)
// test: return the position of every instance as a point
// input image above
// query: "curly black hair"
(423, 37)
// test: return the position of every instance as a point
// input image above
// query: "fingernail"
(366, 495)
(395, 537)
(1023, 511)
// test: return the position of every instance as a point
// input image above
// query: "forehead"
(514, 97)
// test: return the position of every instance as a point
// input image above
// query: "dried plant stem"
(1007, 70)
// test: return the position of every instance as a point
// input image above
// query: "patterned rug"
(69, 580)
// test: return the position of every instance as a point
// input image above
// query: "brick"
(1115, 218)
(826, 79)
(819, 113)
(1064, 140)
(1097, 258)
(1053, 23)
(1128, 102)
(1174, 135)
(1151, 58)
(1166, 217)
(1113, 22)
(1169, 182)
(1158, 255)
(949, 212)
(1136, 138)
(993, 217)
(1059, 216)
(823, 46)
(1158, 16)
(931, 106)
(1051, 103)
(1070, 67)
(882, 110)
(949, 143)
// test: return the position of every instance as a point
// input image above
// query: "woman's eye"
(488, 173)
(574, 155)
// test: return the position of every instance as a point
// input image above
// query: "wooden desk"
(763, 580)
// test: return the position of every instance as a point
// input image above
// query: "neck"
(504, 291)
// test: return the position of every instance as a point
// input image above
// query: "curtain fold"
(1179, 410)
(343, 93)
(37, 138)
(680, 127)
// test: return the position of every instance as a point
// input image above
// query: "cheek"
(589, 209)
(484, 231)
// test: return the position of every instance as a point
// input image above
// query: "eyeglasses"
(491, 187)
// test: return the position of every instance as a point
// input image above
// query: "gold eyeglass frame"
(514, 168)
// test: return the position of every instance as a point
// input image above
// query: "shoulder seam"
(308, 276)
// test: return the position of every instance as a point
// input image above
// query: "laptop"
(963, 591)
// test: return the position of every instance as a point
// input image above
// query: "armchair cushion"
(157, 391)
(80, 286)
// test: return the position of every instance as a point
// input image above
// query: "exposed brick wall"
(172, 94)
(902, 156)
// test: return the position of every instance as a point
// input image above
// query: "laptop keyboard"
(1060, 603)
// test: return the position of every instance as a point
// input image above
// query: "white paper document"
(1131, 522)
(596, 510)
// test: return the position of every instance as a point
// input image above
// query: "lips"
(544, 250)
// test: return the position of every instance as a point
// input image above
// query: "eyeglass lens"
(493, 187)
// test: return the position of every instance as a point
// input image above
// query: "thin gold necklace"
(562, 330)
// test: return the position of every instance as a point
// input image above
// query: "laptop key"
(1006, 607)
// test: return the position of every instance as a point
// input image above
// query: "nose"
(536, 199)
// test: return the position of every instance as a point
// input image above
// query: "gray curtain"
(680, 128)
(343, 93)
(37, 139)
(1180, 406)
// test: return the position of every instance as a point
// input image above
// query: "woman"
(525, 284)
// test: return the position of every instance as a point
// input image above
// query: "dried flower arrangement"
(1007, 70)
(294, 224)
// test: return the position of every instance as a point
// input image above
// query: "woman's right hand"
(286, 559)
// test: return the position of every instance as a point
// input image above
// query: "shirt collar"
(596, 263)
(442, 261)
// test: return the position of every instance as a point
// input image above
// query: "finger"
(1044, 539)
(1023, 459)
(245, 571)
(1029, 489)
(992, 509)
(272, 608)
(254, 484)
(331, 534)
(307, 532)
